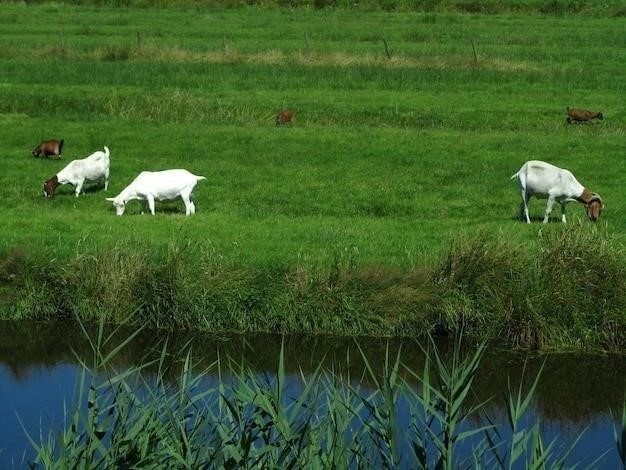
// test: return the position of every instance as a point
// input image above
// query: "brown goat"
(582, 115)
(284, 117)
(49, 148)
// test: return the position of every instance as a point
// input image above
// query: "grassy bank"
(567, 292)
(358, 217)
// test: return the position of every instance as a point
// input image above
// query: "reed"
(620, 437)
(147, 416)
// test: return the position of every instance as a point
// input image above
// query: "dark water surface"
(39, 366)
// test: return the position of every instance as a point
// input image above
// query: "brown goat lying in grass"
(582, 115)
(48, 148)
(284, 117)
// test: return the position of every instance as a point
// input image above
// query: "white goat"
(543, 180)
(91, 168)
(159, 185)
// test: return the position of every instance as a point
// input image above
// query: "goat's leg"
(190, 207)
(523, 207)
(79, 187)
(563, 213)
(106, 181)
(548, 209)
(188, 204)
(150, 199)
(521, 212)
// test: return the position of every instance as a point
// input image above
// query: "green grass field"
(388, 162)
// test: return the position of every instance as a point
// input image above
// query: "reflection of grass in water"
(133, 419)
(567, 393)
(620, 437)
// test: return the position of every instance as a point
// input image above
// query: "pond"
(39, 368)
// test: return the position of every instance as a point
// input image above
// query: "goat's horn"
(596, 197)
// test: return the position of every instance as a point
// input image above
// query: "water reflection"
(575, 390)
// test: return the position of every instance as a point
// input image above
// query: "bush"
(568, 289)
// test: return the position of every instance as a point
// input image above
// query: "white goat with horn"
(543, 180)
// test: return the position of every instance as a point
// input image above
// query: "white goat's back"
(541, 178)
(90, 168)
(166, 184)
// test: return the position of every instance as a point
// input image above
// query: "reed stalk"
(136, 418)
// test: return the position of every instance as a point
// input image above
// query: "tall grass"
(547, 7)
(563, 292)
(131, 418)
(566, 292)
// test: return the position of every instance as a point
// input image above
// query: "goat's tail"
(516, 175)
(200, 178)
(106, 151)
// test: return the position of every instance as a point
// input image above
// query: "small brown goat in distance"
(582, 115)
(49, 148)
(284, 117)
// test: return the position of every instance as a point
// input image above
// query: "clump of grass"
(36, 289)
(568, 289)
(478, 279)
(583, 276)
(115, 53)
(11, 264)
(107, 279)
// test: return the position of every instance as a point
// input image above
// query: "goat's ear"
(112, 199)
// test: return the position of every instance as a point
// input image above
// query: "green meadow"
(385, 208)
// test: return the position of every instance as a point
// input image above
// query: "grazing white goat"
(92, 168)
(543, 180)
(159, 185)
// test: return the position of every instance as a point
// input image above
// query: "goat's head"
(50, 186)
(285, 116)
(119, 204)
(40, 150)
(594, 207)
